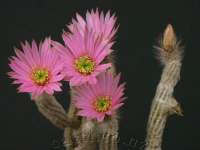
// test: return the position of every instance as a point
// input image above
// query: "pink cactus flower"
(36, 69)
(83, 56)
(99, 100)
(96, 21)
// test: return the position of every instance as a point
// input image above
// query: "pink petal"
(92, 80)
(100, 118)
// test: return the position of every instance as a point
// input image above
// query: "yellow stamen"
(40, 76)
(84, 65)
(102, 104)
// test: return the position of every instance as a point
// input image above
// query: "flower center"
(84, 65)
(102, 104)
(40, 76)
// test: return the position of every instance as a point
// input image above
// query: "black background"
(141, 22)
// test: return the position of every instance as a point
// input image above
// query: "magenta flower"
(83, 56)
(96, 21)
(37, 70)
(99, 100)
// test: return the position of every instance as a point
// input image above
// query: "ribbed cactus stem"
(54, 112)
(69, 143)
(164, 104)
(109, 137)
(89, 134)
